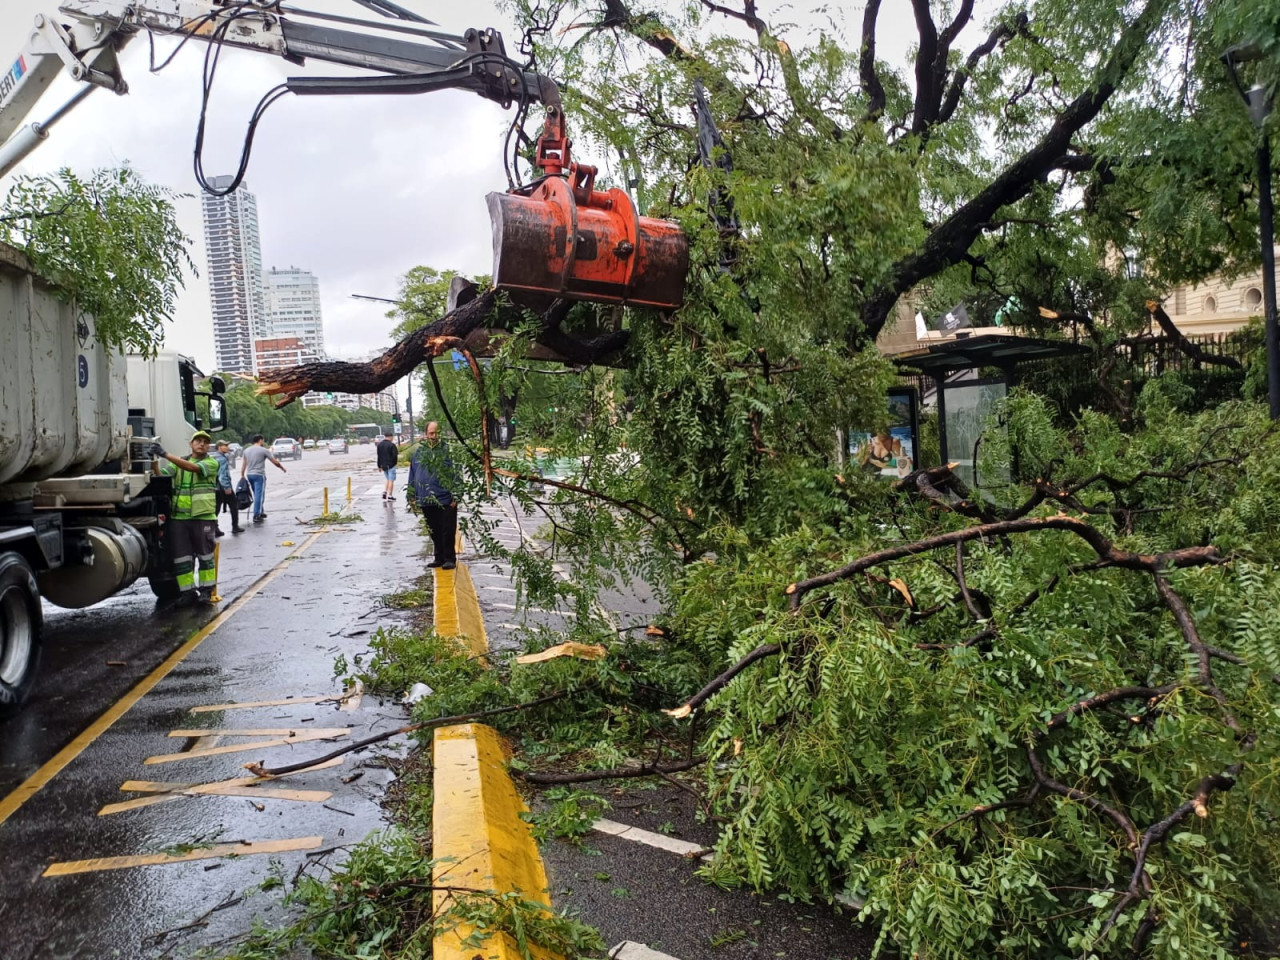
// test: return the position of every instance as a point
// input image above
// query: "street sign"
(396, 427)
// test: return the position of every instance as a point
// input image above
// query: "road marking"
(38, 780)
(176, 791)
(260, 732)
(242, 747)
(630, 950)
(323, 698)
(625, 832)
(208, 853)
(212, 790)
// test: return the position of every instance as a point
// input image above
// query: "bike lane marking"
(41, 778)
(207, 853)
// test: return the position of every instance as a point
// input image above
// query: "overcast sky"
(355, 189)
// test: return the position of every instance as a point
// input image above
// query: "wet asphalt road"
(280, 644)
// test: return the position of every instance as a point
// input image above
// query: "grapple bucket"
(564, 239)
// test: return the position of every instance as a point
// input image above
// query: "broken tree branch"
(720, 682)
(258, 770)
(616, 773)
(1106, 550)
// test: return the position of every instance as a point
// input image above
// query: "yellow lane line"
(479, 837)
(242, 747)
(38, 780)
(261, 732)
(207, 853)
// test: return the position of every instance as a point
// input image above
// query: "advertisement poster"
(890, 452)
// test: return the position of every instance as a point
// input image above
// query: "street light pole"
(1267, 228)
(1258, 100)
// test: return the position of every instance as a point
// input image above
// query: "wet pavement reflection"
(278, 646)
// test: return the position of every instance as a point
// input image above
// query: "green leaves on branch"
(111, 241)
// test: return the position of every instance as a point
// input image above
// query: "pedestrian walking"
(388, 454)
(254, 468)
(431, 475)
(226, 494)
(193, 518)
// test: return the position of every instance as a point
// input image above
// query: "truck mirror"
(217, 414)
(217, 386)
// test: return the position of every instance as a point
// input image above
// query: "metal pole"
(348, 489)
(409, 407)
(1265, 222)
(325, 512)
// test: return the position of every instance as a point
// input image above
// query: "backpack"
(244, 496)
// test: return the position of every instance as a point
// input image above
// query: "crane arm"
(404, 56)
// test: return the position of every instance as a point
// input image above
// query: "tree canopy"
(1036, 720)
(111, 240)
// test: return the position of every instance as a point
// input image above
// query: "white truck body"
(82, 516)
(63, 398)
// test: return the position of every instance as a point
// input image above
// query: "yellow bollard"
(348, 489)
(325, 512)
(213, 595)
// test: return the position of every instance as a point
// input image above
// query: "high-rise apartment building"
(293, 308)
(235, 275)
(278, 353)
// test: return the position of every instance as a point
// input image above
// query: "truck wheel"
(21, 622)
(165, 587)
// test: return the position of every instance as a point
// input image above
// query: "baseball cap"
(200, 435)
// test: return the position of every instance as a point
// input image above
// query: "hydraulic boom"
(558, 237)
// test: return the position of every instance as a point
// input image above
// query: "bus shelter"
(971, 376)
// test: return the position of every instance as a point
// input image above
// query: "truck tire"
(21, 624)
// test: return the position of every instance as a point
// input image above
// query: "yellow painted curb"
(457, 609)
(477, 828)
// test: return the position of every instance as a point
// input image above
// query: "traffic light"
(395, 418)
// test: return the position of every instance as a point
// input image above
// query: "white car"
(286, 447)
(337, 445)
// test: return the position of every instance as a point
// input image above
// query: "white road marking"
(625, 832)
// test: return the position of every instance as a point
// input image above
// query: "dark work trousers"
(443, 523)
(228, 501)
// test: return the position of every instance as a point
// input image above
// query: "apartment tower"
(235, 275)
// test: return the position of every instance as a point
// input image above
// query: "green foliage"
(566, 813)
(423, 298)
(110, 241)
(865, 747)
(250, 413)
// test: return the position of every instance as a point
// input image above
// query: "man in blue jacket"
(431, 474)
(226, 494)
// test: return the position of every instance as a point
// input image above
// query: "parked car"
(308, 444)
(287, 447)
(337, 445)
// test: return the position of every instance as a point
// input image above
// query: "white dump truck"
(81, 514)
